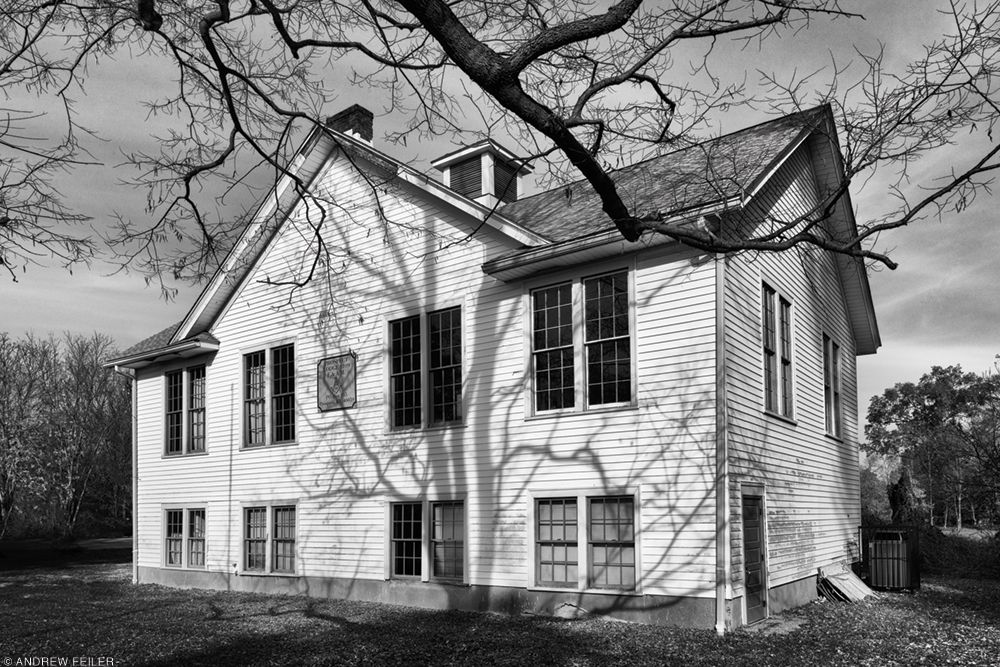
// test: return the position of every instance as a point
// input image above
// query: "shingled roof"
(707, 173)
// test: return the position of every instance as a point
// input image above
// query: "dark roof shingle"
(700, 175)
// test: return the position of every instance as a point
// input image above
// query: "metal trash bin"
(889, 560)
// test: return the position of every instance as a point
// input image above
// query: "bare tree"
(577, 85)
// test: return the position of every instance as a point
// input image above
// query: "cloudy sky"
(940, 307)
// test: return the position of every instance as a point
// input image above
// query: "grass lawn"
(85, 607)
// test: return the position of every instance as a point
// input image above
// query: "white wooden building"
(488, 401)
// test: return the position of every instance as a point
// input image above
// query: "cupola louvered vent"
(505, 182)
(486, 172)
(467, 177)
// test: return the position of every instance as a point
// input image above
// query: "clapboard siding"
(810, 479)
(345, 465)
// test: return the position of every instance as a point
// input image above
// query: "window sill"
(782, 418)
(253, 573)
(835, 438)
(257, 448)
(191, 455)
(560, 414)
(409, 430)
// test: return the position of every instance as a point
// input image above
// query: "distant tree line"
(943, 434)
(65, 438)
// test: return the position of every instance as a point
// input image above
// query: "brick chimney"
(355, 120)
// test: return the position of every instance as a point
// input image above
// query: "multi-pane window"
(284, 539)
(255, 539)
(609, 347)
(184, 538)
(269, 396)
(196, 409)
(175, 412)
(174, 548)
(832, 386)
(404, 338)
(445, 350)
(612, 542)
(557, 541)
(448, 539)
(269, 539)
(777, 344)
(552, 348)
(196, 538)
(185, 411)
(602, 350)
(442, 372)
(407, 538)
(283, 394)
(605, 553)
(436, 552)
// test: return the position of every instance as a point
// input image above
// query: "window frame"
(581, 389)
(778, 352)
(427, 541)
(833, 388)
(181, 543)
(586, 579)
(267, 396)
(427, 373)
(268, 538)
(183, 415)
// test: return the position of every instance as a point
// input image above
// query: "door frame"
(755, 490)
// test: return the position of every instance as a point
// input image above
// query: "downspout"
(130, 373)
(723, 562)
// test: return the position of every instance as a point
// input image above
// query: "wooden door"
(755, 572)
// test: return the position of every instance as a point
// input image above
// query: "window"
(777, 325)
(184, 537)
(606, 553)
(175, 538)
(442, 374)
(558, 553)
(196, 538)
(269, 539)
(612, 542)
(185, 411)
(448, 540)
(444, 543)
(605, 346)
(269, 400)
(407, 534)
(832, 386)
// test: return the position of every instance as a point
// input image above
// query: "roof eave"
(592, 247)
(182, 350)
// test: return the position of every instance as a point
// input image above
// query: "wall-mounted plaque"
(336, 380)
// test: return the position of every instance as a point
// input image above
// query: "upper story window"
(832, 386)
(185, 411)
(441, 403)
(777, 329)
(581, 344)
(269, 396)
